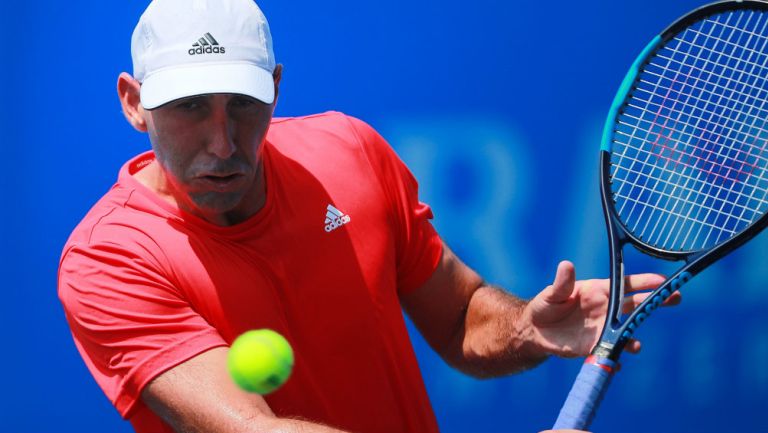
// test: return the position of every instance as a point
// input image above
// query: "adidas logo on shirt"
(334, 219)
(206, 45)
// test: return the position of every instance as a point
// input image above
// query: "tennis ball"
(260, 361)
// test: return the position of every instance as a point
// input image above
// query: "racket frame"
(616, 332)
(599, 367)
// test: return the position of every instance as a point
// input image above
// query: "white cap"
(184, 48)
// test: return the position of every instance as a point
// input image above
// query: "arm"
(484, 331)
(199, 396)
(482, 338)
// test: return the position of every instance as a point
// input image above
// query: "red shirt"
(146, 286)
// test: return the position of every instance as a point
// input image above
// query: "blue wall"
(496, 106)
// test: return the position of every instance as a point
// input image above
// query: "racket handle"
(585, 396)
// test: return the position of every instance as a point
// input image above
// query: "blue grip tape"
(585, 396)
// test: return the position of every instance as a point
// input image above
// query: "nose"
(221, 139)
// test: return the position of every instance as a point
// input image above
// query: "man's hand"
(486, 332)
(567, 317)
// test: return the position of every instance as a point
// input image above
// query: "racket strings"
(711, 105)
(669, 159)
(663, 143)
(743, 171)
(745, 74)
(703, 156)
(693, 107)
(696, 104)
(689, 154)
(701, 197)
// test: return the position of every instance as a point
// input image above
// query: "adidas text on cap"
(183, 48)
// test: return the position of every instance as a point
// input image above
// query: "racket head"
(688, 140)
(684, 155)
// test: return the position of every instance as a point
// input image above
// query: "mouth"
(221, 182)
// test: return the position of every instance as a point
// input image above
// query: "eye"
(189, 104)
(243, 102)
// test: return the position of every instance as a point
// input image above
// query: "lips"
(221, 182)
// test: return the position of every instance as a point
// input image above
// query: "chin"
(217, 202)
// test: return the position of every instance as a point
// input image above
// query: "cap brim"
(179, 82)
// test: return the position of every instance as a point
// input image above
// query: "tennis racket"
(684, 166)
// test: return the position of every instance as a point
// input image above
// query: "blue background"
(497, 108)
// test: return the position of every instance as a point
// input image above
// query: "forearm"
(198, 396)
(285, 425)
(242, 422)
(478, 329)
(496, 337)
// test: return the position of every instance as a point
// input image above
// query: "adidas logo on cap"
(206, 45)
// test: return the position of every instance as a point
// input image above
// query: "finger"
(638, 282)
(631, 302)
(633, 346)
(674, 299)
(562, 287)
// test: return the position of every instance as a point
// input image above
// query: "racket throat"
(606, 350)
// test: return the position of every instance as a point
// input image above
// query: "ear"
(277, 74)
(129, 92)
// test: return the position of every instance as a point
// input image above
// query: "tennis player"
(310, 226)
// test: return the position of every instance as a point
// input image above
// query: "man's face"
(209, 148)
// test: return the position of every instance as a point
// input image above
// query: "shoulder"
(328, 119)
(118, 225)
(330, 137)
(112, 248)
(330, 142)
(329, 128)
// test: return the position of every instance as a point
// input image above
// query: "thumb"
(565, 280)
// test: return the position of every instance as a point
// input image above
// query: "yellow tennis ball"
(260, 361)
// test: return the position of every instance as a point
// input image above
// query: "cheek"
(253, 133)
(171, 155)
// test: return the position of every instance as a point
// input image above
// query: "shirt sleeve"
(128, 321)
(418, 245)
